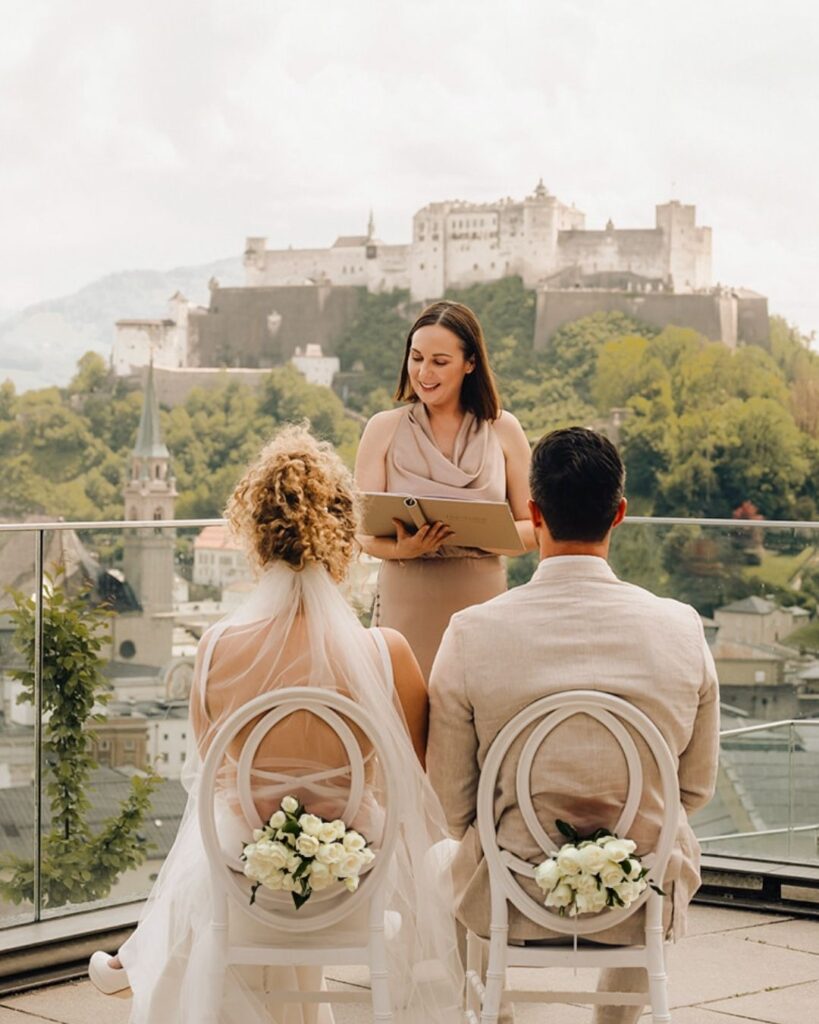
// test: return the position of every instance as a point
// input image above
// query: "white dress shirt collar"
(574, 567)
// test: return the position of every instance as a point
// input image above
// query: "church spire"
(371, 226)
(149, 443)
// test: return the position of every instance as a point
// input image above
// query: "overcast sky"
(163, 133)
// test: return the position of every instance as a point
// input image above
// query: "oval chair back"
(330, 906)
(546, 714)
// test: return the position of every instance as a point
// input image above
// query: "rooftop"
(734, 967)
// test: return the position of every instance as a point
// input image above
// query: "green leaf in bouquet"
(301, 898)
(567, 830)
(253, 889)
(626, 866)
(301, 868)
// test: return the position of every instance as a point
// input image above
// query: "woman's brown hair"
(479, 393)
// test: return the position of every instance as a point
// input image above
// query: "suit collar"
(588, 567)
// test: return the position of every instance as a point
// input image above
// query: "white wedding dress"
(295, 629)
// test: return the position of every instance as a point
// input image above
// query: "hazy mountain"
(40, 345)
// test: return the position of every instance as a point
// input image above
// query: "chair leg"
(473, 971)
(495, 975)
(657, 979)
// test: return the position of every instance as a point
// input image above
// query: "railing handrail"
(118, 524)
(762, 832)
(110, 524)
(768, 725)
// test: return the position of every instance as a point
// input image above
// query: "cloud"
(160, 134)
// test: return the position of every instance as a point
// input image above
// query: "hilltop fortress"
(456, 243)
(293, 298)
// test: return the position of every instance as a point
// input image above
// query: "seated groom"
(575, 625)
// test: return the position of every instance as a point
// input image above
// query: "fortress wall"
(709, 314)
(237, 330)
(752, 320)
(136, 343)
(282, 267)
(389, 269)
(174, 385)
(641, 252)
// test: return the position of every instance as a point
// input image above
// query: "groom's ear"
(535, 515)
(620, 514)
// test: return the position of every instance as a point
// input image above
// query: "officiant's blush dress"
(418, 596)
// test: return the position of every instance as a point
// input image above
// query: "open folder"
(477, 524)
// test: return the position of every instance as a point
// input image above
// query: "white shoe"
(109, 980)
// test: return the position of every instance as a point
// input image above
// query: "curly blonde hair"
(296, 503)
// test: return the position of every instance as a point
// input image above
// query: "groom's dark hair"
(577, 480)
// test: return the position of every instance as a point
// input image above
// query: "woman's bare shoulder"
(507, 427)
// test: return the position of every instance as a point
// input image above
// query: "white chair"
(303, 937)
(612, 712)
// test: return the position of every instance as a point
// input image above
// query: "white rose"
(619, 849)
(258, 833)
(290, 804)
(547, 874)
(636, 868)
(273, 880)
(308, 846)
(330, 853)
(585, 884)
(592, 858)
(561, 896)
(367, 856)
(340, 828)
(354, 841)
(568, 860)
(320, 876)
(590, 903)
(277, 853)
(310, 824)
(293, 861)
(259, 859)
(278, 819)
(289, 884)
(351, 883)
(349, 866)
(629, 891)
(327, 832)
(611, 874)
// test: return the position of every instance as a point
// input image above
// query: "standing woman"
(450, 440)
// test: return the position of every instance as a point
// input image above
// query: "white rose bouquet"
(587, 875)
(301, 854)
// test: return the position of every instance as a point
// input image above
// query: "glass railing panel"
(149, 592)
(18, 733)
(756, 587)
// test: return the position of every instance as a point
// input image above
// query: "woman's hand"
(425, 541)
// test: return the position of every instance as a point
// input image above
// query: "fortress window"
(127, 650)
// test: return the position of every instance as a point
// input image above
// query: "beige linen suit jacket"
(575, 625)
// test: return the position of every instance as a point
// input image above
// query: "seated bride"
(295, 513)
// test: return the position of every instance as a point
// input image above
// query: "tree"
(77, 865)
(575, 346)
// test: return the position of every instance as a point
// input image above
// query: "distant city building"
(145, 637)
(755, 620)
(315, 367)
(218, 559)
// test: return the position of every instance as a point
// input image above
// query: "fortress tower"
(146, 637)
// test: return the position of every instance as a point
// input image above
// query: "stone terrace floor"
(733, 967)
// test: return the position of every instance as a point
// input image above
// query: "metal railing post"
(39, 552)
